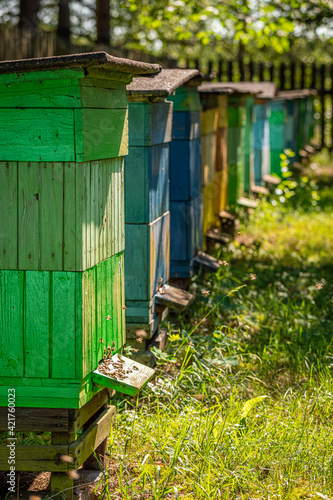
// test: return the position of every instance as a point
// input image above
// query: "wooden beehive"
(277, 133)
(185, 180)
(147, 207)
(63, 135)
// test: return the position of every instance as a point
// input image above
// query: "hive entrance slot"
(207, 262)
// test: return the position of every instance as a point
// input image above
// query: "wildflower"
(253, 277)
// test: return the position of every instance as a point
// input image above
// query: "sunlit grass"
(244, 407)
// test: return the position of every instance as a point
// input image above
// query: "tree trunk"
(103, 22)
(63, 29)
(29, 14)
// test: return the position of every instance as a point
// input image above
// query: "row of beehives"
(70, 208)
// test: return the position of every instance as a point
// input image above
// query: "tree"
(103, 22)
(28, 17)
(63, 28)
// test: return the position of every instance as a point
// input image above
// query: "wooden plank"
(36, 134)
(63, 296)
(207, 262)
(51, 210)
(77, 418)
(100, 133)
(137, 250)
(186, 98)
(36, 458)
(208, 144)
(185, 169)
(28, 215)
(209, 120)
(186, 125)
(137, 209)
(70, 236)
(150, 123)
(123, 375)
(37, 420)
(11, 325)
(209, 194)
(159, 253)
(247, 202)
(32, 76)
(218, 236)
(36, 324)
(91, 438)
(8, 209)
(173, 297)
(88, 328)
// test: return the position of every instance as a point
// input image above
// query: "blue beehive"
(186, 183)
(147, 207)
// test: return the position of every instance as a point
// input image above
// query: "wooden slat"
(11, 324)
(77, 418)
(207, 262)
(37, 420)
(36, 134)
(136, 376)
(63, 325)
(70, 235)
(83, 447)
(28, 215)
(36, 458)
(51, 210)
(173, 297)
(37, 326)
(100, 134)
(8, 209)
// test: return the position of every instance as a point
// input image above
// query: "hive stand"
(147, 182)
(63, 135)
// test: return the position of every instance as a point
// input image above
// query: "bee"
(108, 317)
(319, 286)
(253, 277)
(205, 292)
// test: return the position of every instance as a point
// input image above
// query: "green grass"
(242, 404)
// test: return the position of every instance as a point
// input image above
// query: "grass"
(242, 403)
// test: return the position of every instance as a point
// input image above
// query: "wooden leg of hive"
(61, 482)
(97, 460)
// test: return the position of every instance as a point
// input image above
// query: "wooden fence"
(18, 44)
(287, 76)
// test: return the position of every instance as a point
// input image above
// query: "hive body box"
(147, 193)
(277, 133)
(64, 130)
(249, 145)
(185, 181)
(209, 123)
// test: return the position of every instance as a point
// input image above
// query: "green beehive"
(63, 135)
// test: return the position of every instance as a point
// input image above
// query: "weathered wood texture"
(150, 123)
(147, 258)
(221, 167)
(185, 169)
(59, 340)
(261, 114)
(235, 147)
(185, 181)
(146, 183)
(48, 458)
(248, 145)
(61, 216)
(134, 375)
(277, 134)
(63, 116)
(186, 231)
